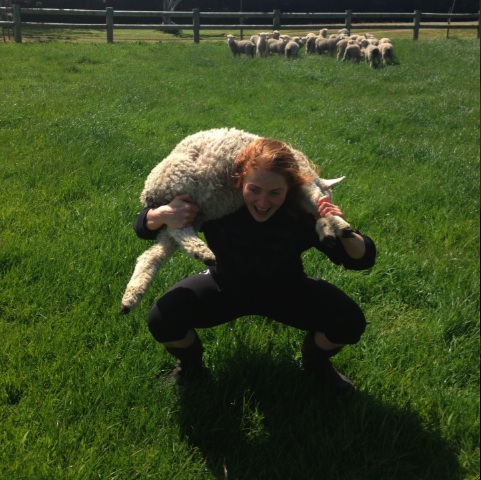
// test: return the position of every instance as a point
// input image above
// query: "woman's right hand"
(179, 213)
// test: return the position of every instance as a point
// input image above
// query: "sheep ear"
(330, 183)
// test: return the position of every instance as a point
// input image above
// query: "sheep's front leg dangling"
(145, 269)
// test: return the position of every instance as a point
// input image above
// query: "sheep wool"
(239, 47)
(202, 166)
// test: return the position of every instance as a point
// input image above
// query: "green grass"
(82, 125)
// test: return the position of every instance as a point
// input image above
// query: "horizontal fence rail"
(14, 18)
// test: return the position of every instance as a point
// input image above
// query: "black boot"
(316, 362)
(189, 363)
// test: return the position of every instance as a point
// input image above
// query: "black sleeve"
(338, 255)
(140, 228)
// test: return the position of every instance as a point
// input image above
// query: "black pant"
(309, 304)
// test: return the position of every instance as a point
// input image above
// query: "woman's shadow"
(263, 418)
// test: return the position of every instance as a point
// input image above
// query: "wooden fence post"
(276, 21)
(17, 20)
(348, 21)
(417, 24)
(479, 19)
(109, 20)
(196, 24)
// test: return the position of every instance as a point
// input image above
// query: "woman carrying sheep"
(259, 270)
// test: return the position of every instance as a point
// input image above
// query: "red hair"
(273, 156)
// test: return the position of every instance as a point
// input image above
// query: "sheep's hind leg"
(145, 269)
(188, 240)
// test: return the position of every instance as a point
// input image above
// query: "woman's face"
(264, 193)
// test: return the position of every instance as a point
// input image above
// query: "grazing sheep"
(202, 166)
(262, 48)
(372, 55)
(387, 53)
(292, 49)
(321, 45)
(239, 47)
(311, 43)
(352, 52)
(363, 42)
(341, 47)
(328, 45)
(278, 46)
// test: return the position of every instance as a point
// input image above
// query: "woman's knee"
(170, 317)
(348, 328)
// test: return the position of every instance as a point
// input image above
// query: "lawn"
(81, 390)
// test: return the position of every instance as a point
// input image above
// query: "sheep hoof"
(329, 240)
(347, 232)
(124, 309)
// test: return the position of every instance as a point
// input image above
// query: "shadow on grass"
(263, 419)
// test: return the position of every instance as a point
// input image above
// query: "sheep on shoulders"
(202, 165)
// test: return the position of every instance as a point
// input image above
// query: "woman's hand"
(354, 246)
(179, 213)
(325, 208)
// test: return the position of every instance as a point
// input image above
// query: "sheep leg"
(188, 240)
(331, 227)
(145, 269)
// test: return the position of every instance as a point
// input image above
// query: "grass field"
(81, 395)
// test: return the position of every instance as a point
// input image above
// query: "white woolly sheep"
(262, 48)
(292, 49)
(239, 47)
(278, 46)
(341, 47)
(363, 42)
(372, 55)
(387, 53)
(328, 45)
(311, 44)
(202, 166)
(352, 52)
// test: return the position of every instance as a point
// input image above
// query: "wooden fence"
(15, 18)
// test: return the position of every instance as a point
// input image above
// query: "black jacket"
(270, 251)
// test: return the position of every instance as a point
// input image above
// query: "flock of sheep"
(354, 48)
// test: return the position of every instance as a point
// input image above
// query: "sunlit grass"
(80, 395)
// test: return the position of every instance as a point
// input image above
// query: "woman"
(259, 268)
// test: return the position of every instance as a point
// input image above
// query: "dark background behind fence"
(460, 6)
